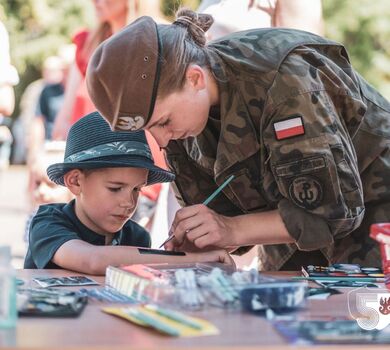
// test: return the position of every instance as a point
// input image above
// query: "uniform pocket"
(348, 179)
(316, 175)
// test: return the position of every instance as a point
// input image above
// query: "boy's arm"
(81, 256)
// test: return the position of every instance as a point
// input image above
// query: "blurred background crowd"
(44, 50)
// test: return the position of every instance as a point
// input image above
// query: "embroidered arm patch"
(290, 127)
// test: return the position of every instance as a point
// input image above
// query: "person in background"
(49, 103)
(235, 15)
(8, 78)
(105, 171)
(23, 127)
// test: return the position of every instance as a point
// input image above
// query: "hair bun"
(197, 24)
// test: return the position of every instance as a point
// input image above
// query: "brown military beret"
(123, 74)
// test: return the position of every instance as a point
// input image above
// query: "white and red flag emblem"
(288, 128)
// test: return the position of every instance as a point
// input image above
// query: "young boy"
(105, 171)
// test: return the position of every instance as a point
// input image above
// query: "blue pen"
(206, 202)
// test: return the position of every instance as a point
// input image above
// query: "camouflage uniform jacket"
(303, 133)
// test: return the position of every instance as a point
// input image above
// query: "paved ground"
(13, 211)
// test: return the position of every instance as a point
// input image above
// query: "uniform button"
(144, 76)
(146, 58)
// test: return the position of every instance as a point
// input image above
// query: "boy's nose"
(129, 200)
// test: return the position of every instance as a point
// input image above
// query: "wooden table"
(95, 329)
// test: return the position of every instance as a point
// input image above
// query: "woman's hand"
(198, 228)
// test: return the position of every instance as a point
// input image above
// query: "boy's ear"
(72, 181)
(196, 76)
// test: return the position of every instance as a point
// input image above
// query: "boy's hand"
(220, 256)
(224, 257)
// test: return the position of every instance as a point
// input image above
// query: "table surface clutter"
(233, 326)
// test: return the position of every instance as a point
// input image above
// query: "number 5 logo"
(365, 307)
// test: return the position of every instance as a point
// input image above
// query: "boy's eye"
(137, 189)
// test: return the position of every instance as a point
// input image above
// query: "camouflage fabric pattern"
(329, 182)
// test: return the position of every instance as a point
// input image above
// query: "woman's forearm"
(259, 228)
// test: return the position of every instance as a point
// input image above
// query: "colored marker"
(206, 202)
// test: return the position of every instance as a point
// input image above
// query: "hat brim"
(57, 171)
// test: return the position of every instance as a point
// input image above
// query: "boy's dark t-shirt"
(55, 224)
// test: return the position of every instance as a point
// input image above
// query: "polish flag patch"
(289, 128)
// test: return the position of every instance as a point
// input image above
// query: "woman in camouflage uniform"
(307, 138)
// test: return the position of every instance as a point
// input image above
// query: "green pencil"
(206, 202)
(219, 189)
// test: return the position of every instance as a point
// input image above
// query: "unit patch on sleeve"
(290, 127)
(306, 192)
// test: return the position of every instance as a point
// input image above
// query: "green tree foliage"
(169, 7)
(37, 28)
(363, 26)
